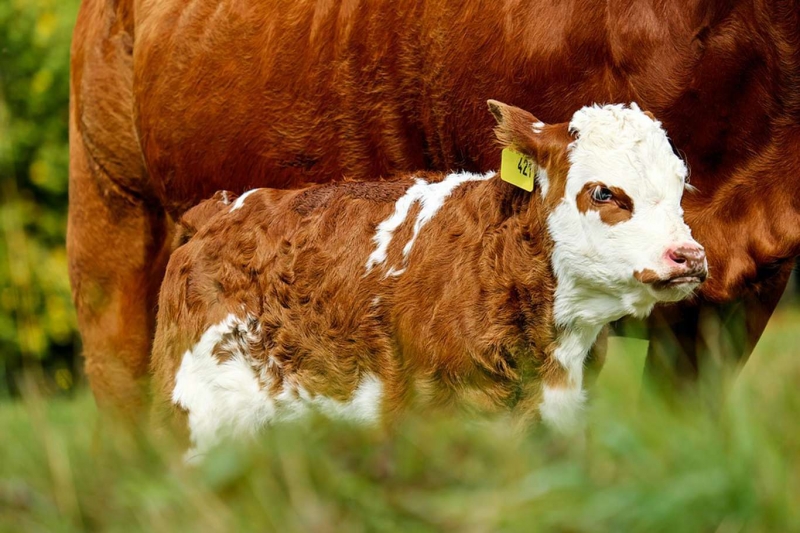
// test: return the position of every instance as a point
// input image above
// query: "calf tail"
(198, 216)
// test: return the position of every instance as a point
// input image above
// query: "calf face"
(611, 188)
(614, 188)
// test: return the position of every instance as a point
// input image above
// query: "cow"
(171, 102)
(358, 299)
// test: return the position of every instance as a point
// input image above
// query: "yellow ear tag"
(517, 169)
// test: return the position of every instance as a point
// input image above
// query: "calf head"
(612, 187)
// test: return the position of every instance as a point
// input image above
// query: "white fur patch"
(394, 272)
(232, 398)
(572, 347)
(385, 230)
(431, 197)
(212, 392)
(240, 200)
(542, 180)
(363, 406)
(561, 408)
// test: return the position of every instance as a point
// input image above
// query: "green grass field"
(643, 466)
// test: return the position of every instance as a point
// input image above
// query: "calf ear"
(521, 131)
(195, 218)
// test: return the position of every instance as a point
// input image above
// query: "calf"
(360, 299)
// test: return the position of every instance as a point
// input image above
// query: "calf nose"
(690, 258)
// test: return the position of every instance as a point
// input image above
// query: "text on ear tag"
(517, 169)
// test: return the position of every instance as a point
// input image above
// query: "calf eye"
(601, 194)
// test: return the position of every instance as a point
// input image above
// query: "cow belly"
(237, 397)
(267, 94)
(236, 95)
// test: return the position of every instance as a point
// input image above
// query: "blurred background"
(37, 321)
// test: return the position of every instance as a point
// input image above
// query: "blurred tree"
(37, 323)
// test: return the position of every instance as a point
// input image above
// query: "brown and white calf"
(360, 299)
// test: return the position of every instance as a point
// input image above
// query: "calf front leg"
(563, 396)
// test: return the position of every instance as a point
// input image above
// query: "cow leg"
(707, 343)
(117, 251)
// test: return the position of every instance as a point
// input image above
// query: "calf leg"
(117, 255)
(563, 395)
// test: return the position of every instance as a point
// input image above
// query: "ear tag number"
(517, 169)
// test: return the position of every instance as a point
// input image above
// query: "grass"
(643, 466)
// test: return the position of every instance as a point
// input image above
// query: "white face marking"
(431, 197)
(240, 200)
(594, 261)
(538, 127)
(232, 398)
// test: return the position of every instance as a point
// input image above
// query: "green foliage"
(37, 322)
(644, 466)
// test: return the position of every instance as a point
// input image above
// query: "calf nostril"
(677, 256)
(689, 260)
